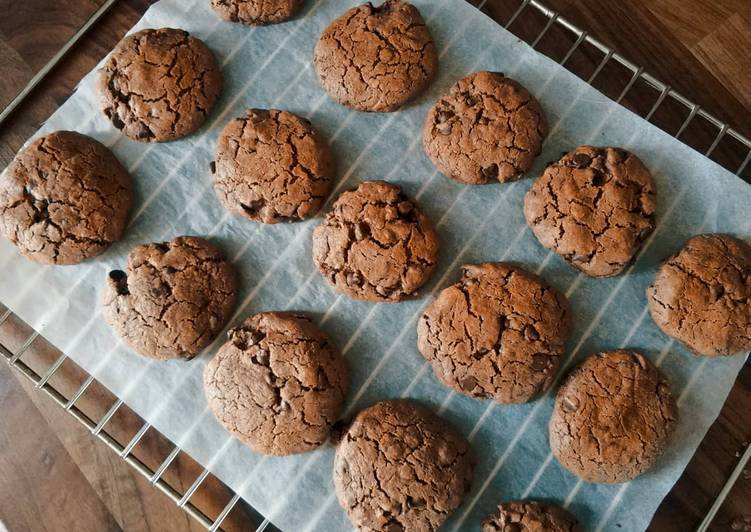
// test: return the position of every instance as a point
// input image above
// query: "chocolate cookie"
(702, 296)
(594, 207)
(401, 467)
(376, 58)
(256, 12)
(174, 299)
(530, 516)
(272, 166)
(498, 333)
(487, 128)
(278, 384)
(375, 244)
(159, 84)
(65, 199)
(612, 417)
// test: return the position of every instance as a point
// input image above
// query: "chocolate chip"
(578, 257)
(255, 337)
(119, 124)
(212, 167)
(354, 279)
(362, 230)
(253, 207)
(160, 291)
(598, 179)
(471, 100)
(512, 527)
(444, 116)
(444, 123)
(582, 160)
(540, 361)
(405, 206)
(263, 358)
(412, 502)
(717, 291)
(569, 405)
(468, 384)
(483, 121)
(121, 281)
(530, 333)
(144, 132)
(490, 172)
(477, 355)
(162, 247)
(257, 115)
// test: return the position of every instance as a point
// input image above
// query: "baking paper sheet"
(271, 67)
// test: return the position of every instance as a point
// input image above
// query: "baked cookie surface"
(487, 128)
(65, 199)
(701, 296)
(498, 333)
(530, 516)
(613, 417)
(159, 84)
(594, 207)
(376, 58)
(400, 467)
(256, 12)
(272, 166)
(278, 384)
(375, 244)
(173, 300)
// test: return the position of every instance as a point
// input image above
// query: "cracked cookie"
(256, 12)
(613, 417)
(498, 333)
(376, 58)
(278, 384)
(65, 199)
(530, 516)
(159, 84)
(173, 300)
(701, 296)
(272, 166)
(399, 466)
(375, 244)
(487, 128)
(594, 207)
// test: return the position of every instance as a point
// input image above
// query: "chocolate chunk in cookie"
(173, 300)
(498, 333)
(612, 418)
(530, 516)
(594, 207)
(401, 467)
(272, 166)
(487, 128)
(702, 295)
(65, 199)
(375, 244)
(159, 85)
(256, 12)
(376, 58)
(278, 384)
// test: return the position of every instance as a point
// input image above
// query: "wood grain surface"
(55, 476)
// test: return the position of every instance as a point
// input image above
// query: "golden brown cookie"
(159, 84)
(65, 199)
(256, 12)
(613, 417)
(272, 166)
(375, 244)
(530, 516)
(701, 296)
(594, 207)
(487, 128)
(278, 384)
(400, 467)
(173, 300)
(376, 58)
(498, 333)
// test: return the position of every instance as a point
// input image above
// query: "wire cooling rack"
(135, 441)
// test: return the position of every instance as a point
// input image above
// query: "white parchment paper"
(271, 67)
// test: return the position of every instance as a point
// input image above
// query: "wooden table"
(55, 476)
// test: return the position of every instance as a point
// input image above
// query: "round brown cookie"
(174, 299)
(487, 128)
(498, 333)
(159, 84)
(65, 199)
(376, 58)
(612, 418)
(375, 244)
(398, 466)
(702, 295)
(272, 166)
(256, 12)
(278, 384)
(594, 207)
(530, 516)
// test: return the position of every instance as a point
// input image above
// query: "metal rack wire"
(713, 138)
